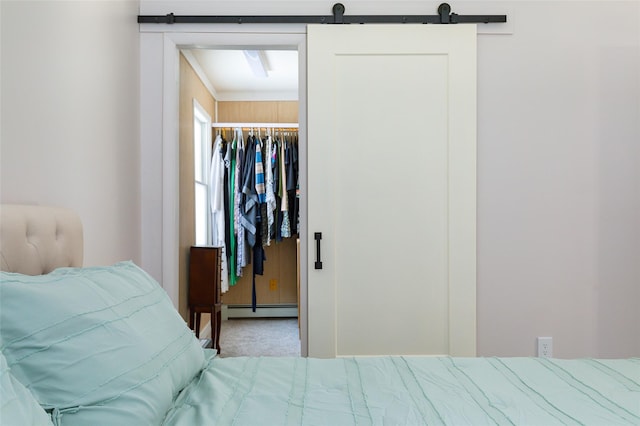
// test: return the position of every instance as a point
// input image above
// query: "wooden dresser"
(204, 289)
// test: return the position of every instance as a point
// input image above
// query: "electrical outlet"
(545, 347)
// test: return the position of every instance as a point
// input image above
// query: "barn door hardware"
(444, 16)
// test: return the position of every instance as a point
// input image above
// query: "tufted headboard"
(35, 240)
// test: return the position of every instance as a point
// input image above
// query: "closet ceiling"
(230, 77)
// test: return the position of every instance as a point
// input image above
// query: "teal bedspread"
(105, 346)
(411, 391)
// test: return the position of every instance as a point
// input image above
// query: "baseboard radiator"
(262, 311)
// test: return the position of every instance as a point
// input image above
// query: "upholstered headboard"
(36, 240)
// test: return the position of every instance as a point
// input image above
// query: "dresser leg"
(198, 324)
(218, 326)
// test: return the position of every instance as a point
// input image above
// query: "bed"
(104, 346)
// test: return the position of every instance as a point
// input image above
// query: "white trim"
(199, 110)
(204, 146)
(170, 170)
(282, 29)
(151, 134)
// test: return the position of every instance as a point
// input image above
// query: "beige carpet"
(260, 337)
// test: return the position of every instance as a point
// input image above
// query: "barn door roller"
(444, 16)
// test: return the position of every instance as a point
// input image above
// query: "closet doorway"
(251, 96)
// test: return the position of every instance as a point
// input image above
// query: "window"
(202, 159)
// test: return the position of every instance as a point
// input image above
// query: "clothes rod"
(256, 125)
(444, 16)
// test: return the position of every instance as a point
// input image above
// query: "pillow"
(99, 345)
(17, 405)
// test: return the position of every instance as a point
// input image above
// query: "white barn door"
(392, 189)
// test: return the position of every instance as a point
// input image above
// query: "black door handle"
(318, 237)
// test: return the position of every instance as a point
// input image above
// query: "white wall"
(70, 116)
(558, 167)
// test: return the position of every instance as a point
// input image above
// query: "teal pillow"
(97, 346)
(17, 405)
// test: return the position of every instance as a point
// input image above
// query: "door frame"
(159, 93)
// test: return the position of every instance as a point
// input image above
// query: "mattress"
(411, 391)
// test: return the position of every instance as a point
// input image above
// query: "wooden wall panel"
(258, 111)
(278, 285)
(288, 112)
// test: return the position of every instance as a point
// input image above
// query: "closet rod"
(256, 125)
(444, 16)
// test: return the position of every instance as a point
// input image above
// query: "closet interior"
(262, 272)
(254, 136)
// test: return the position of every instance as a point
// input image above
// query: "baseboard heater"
(262, 311)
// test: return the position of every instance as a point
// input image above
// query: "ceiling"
(228, 75)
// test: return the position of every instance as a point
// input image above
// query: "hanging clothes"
(270, 195)
(216, 189)
(277, 226)
(296, 191)
(286, 225)
(241, 249)
(259, 170)
(259, 257)
(216, 196)
(261, 189)
(291, 163)
(250, 210)
(248, 214)
(254, 200)
(231, 229)
(226, 202)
